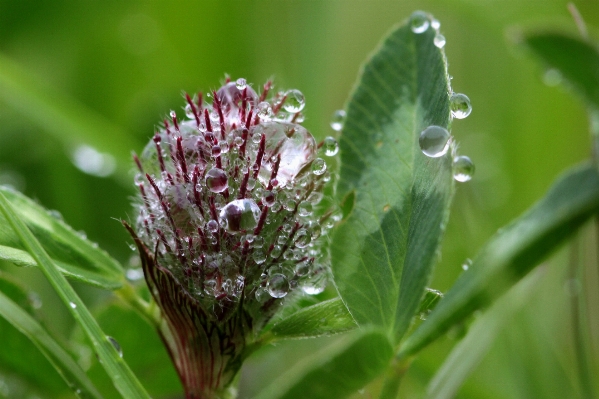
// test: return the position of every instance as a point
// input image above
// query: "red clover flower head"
(229, 223)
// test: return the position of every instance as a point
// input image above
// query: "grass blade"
(513, 252)
(58, 357)
(122, 377)
(75, 256)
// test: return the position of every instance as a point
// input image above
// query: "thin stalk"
(577, 310)
(393, 377)
(147, 310)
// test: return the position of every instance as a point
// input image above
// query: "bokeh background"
(82, 84)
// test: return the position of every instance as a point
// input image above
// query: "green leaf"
(122, 377)
(384, 251)
(325, 318)
(576, 59)
(75, 256)
(470, 351)
(56, 355)
(513, 252)
(336, 371)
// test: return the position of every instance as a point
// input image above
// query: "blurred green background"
(103, 74)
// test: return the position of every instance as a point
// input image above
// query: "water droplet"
(466, 265)
(269, 198)
(56, 215)
(216, 151)
(34, 300)
(419, 22)
(264, 111)
(439, 40)
(293, 143)
(460, 105)
(258, 242)
(89, 160)
(463, 168)
(302, 268)
(304, 209)
(262, 295)
(319, 166)
(338, 120)
(295, 101)
(224, 147)
(212, 226)
(238, 215)
(115, 345)
(434, 141)
(331, 147)
(277, 251)
(259, 257)
(315, 285)
(216, 180)
(240, 83)
(134, 274)
(73, 305)
(552, 77)
(278, 285)
(435, 24)
(302, 239)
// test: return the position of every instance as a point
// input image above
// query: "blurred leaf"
(384, 251)
(122, 377)
(513, 252)
(576, 59)
(142, 348)
(337, 371)
(325, 318)
(16, 356)
(67, 120)
(469, 352)
(75, 256)
(28, 326)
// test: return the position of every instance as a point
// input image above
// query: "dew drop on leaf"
(460, 105)
(434, 141)
(463, 168)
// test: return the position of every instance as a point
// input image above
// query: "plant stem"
(395, 372)
(578, 312)
(147, 310)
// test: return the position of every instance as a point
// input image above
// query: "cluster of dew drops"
(230, 196)
(435, 141)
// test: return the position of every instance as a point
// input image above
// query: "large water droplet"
(419, 22)
(240, 215)
(91, 161)
(292, 142)
(212, 226)
(278, 285)
(439, 40)
(434, 141)
(116, 345)
(330, 146)
(230, 96)
(463, 168)
(295, 101)
(216, 180)
(460, 105)
(338, 120)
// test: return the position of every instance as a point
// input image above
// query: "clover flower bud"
(229, 224)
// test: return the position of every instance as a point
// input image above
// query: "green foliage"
(75, 256)
(513, 252)
(383, 252)
(394, 200)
